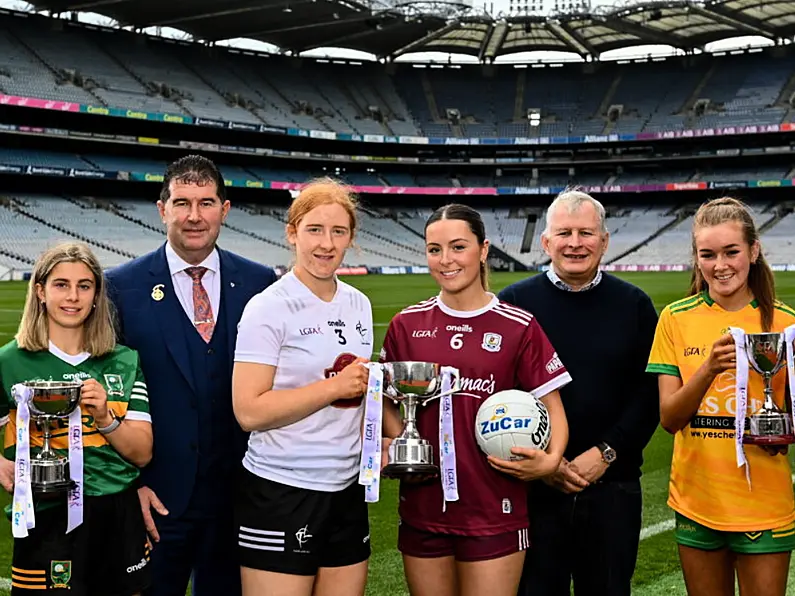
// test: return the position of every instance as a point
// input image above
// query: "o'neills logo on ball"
(340, 363)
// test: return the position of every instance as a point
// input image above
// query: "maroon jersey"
(495, 348)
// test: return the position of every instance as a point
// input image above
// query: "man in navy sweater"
(585, 520)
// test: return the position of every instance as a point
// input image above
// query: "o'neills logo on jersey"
(311, 330)
(337, 323)
(425, 333)
(554, 364)
(459, 328)
(76, 376)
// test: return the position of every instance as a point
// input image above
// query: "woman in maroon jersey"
(474, 545)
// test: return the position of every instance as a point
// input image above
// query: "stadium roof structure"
(390, 28)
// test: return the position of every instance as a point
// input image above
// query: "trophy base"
(403, 471)
(53, 489)
(410, 457)
(50, 477)
(765, 440)
(769, 427)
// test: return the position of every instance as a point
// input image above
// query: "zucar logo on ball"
(500, 420)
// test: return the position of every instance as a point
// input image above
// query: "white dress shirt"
(183, 283)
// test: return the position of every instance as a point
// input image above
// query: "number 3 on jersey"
(342, 340)
(457, 341)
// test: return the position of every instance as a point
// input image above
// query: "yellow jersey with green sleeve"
(706, 485)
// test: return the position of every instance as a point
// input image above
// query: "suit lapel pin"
(232, 284)
(157, 292)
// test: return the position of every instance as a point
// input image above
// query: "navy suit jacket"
(149, 322)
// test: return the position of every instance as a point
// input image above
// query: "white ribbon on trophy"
(789, 337)
(447, 438)
(741, 399)
(75, 497)
(370, 461)
(23, 517)
(23, 513)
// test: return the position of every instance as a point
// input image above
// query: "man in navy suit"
(179, 306)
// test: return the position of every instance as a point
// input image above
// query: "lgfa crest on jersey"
(114, 384)
(492, 342)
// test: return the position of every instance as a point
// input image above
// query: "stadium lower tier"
(388, 239)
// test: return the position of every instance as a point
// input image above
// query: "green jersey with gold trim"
(119, 372)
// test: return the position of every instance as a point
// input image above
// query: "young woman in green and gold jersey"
(722, 523)
(89, 541)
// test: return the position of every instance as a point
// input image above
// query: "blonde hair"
(323, 191)
(98, 331)
(761, 281)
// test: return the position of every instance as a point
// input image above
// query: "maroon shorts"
(414, 542)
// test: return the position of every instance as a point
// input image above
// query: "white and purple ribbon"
(789, 338)
(75, 498)
(741, 399)
(370, 461)
(23, 517)
(447, 436)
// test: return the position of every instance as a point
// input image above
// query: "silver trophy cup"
(770, 425)
(51, 401)
(412, 383)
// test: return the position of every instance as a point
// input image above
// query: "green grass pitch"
(657, 570)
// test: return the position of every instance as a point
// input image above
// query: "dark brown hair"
(193, 169)
(476, 226)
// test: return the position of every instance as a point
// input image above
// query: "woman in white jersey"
(298, 385)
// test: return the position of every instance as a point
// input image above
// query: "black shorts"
(106, 555)
(293, 530)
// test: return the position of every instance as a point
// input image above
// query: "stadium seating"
(54, 59)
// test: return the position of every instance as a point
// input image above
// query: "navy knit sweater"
(603, 336)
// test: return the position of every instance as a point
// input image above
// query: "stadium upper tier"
(52, 59)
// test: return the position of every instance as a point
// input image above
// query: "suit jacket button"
(210, 351)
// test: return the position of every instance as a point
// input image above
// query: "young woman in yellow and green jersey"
(721, 523)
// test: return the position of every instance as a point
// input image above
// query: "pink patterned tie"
(202, 309)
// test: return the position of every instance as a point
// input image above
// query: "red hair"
(323, 191)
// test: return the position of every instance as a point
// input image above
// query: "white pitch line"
(665, 525)
(657, 528)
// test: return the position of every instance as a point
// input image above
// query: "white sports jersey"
(307, 340)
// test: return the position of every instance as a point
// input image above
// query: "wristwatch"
(106, 430)
(608, 453)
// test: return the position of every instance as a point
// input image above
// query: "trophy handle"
(455, 387)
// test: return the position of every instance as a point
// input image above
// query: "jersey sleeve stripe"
(139, 391)
(421, 306)
(685, 301)
(139, 384)
(139, 397)
(522, 321)
(135, 415)
(514, 310)
(785, 309)
(418, 308)
(552, 385)
(687, 307)
(663, 369)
